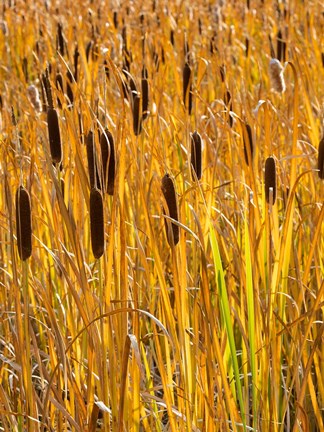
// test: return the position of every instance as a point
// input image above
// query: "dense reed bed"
(161, 223)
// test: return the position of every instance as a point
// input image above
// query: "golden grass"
(220, 330)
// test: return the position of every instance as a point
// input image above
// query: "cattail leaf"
(97, 228)
(108, 161)
(321, 159)
(270, 179)
(168, 190)
(23, 221)
(195, 156)
(54, 135)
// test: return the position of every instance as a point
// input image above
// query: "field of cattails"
(161, 215)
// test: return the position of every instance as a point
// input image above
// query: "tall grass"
(110, 322)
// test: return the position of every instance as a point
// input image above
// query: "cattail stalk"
(97, 223)
(23, 221)
(270, 180)
(108, 161)
(195, 156)
(172, 229)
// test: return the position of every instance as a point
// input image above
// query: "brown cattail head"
(270, 180)
(92, 161)
(145, 93)
(60, 39)
(229, 106)
(196, 156)
(248, 143)
(97, 228)
(187, 87)
(276, 71)
(108, 161)
(76, 61)
(172, 229)
(137, 117)
(281, 47)
(54, 135)
(23, 221)
(321, 159)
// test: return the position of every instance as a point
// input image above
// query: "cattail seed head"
(97, 223)
(276, 71)
(23, 221)
(248, 143)
(196, 156)
(321, 159)
(187, 87)
(270, 180)
(92, 161)
(145, 93)
(54, 135)
(168, 190)
(281, 47)
(137, 117)
(108, 161)
(60, 39)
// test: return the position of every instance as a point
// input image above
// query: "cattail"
(33, 96)
(187, 87)
(92, 161)
(69, 91)
(270, 180)
(172, 229)
(172, 37)
(281, 47)
(23, 221)
(222, 72)
(107, 71)
(76, 61)
(321, 159)
(24, 67)
(248, 142)
(54, 135)
(60, 39)
(145, 93)
(229, 105)
(276, 71)
(88, 49)
(137, 118)
(108, 161)
(97, 223)
(196, 156)
(115, 19)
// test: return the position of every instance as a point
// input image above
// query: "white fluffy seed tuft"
(276, 71)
